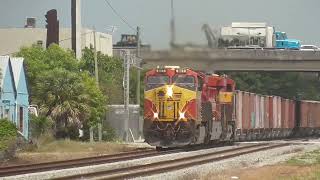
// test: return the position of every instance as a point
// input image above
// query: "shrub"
(7, 129)
(108, 133)
(40, 125)
(8, 136)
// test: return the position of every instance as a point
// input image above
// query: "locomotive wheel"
(206, 115)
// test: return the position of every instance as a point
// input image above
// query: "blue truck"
(282, 41)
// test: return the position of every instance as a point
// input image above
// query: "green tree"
(40, 125)
(61, 96)
(110, 74)
(64, 93)
(97, 100)
(285, 84)
(39, 60)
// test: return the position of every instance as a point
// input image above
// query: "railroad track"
(55, 165)
(176, 164)
(72, 163)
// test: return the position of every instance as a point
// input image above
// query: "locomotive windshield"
(156, 81)
(184, 81)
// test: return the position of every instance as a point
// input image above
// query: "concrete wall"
(133, 50)
(12, 39)
(236, 59)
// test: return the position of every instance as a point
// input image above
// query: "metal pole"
(126, 85)
(172, 25)
(138, 70)
(96, 73)
(100, 131)
(249, 35)
(76, 27)
(91, 134)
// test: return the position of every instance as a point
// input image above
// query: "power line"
(122, 18)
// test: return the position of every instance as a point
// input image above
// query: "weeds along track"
(176, 164)
(55, 165)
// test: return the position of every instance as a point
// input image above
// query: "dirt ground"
(275, 172)
(304, 166)
(66, 149)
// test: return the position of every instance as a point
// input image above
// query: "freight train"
(185, 107)
(261, 117)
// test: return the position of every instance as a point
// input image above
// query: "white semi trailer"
(248, 34)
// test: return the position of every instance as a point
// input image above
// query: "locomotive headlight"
(182, 115)
(155, 115)
(169, 91)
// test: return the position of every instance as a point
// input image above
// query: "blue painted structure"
(22, 96)
(14, 93)
(282, 41)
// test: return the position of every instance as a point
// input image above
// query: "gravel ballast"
(258, 159)
(252, 160)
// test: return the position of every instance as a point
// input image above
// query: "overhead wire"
(121, 17)
(124, 19)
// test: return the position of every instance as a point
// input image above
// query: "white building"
(12, 39)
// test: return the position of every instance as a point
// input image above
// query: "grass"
(309, 158)
(301, 167)
(46, 149)
(76, 146)
(47, 144)
(309, 166)
(303, 173)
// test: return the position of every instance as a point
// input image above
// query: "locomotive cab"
(183, 107)
(170, 106)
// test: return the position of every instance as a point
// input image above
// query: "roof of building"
(17, 67)
(5, 65)
(4, 62)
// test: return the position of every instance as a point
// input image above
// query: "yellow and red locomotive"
(184, 107)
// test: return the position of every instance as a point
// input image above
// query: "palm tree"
(62, 98)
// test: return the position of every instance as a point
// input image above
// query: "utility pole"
(76, 27)
(126, 86)
(138, 70)
(172, 27)
(96, 73)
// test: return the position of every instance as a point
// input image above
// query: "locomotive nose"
(169, 134)
(167, 103)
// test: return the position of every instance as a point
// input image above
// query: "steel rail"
(169, 165)
(55, 165)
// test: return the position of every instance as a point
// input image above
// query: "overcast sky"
(299, 18)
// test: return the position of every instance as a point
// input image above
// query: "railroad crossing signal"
(52, 27)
